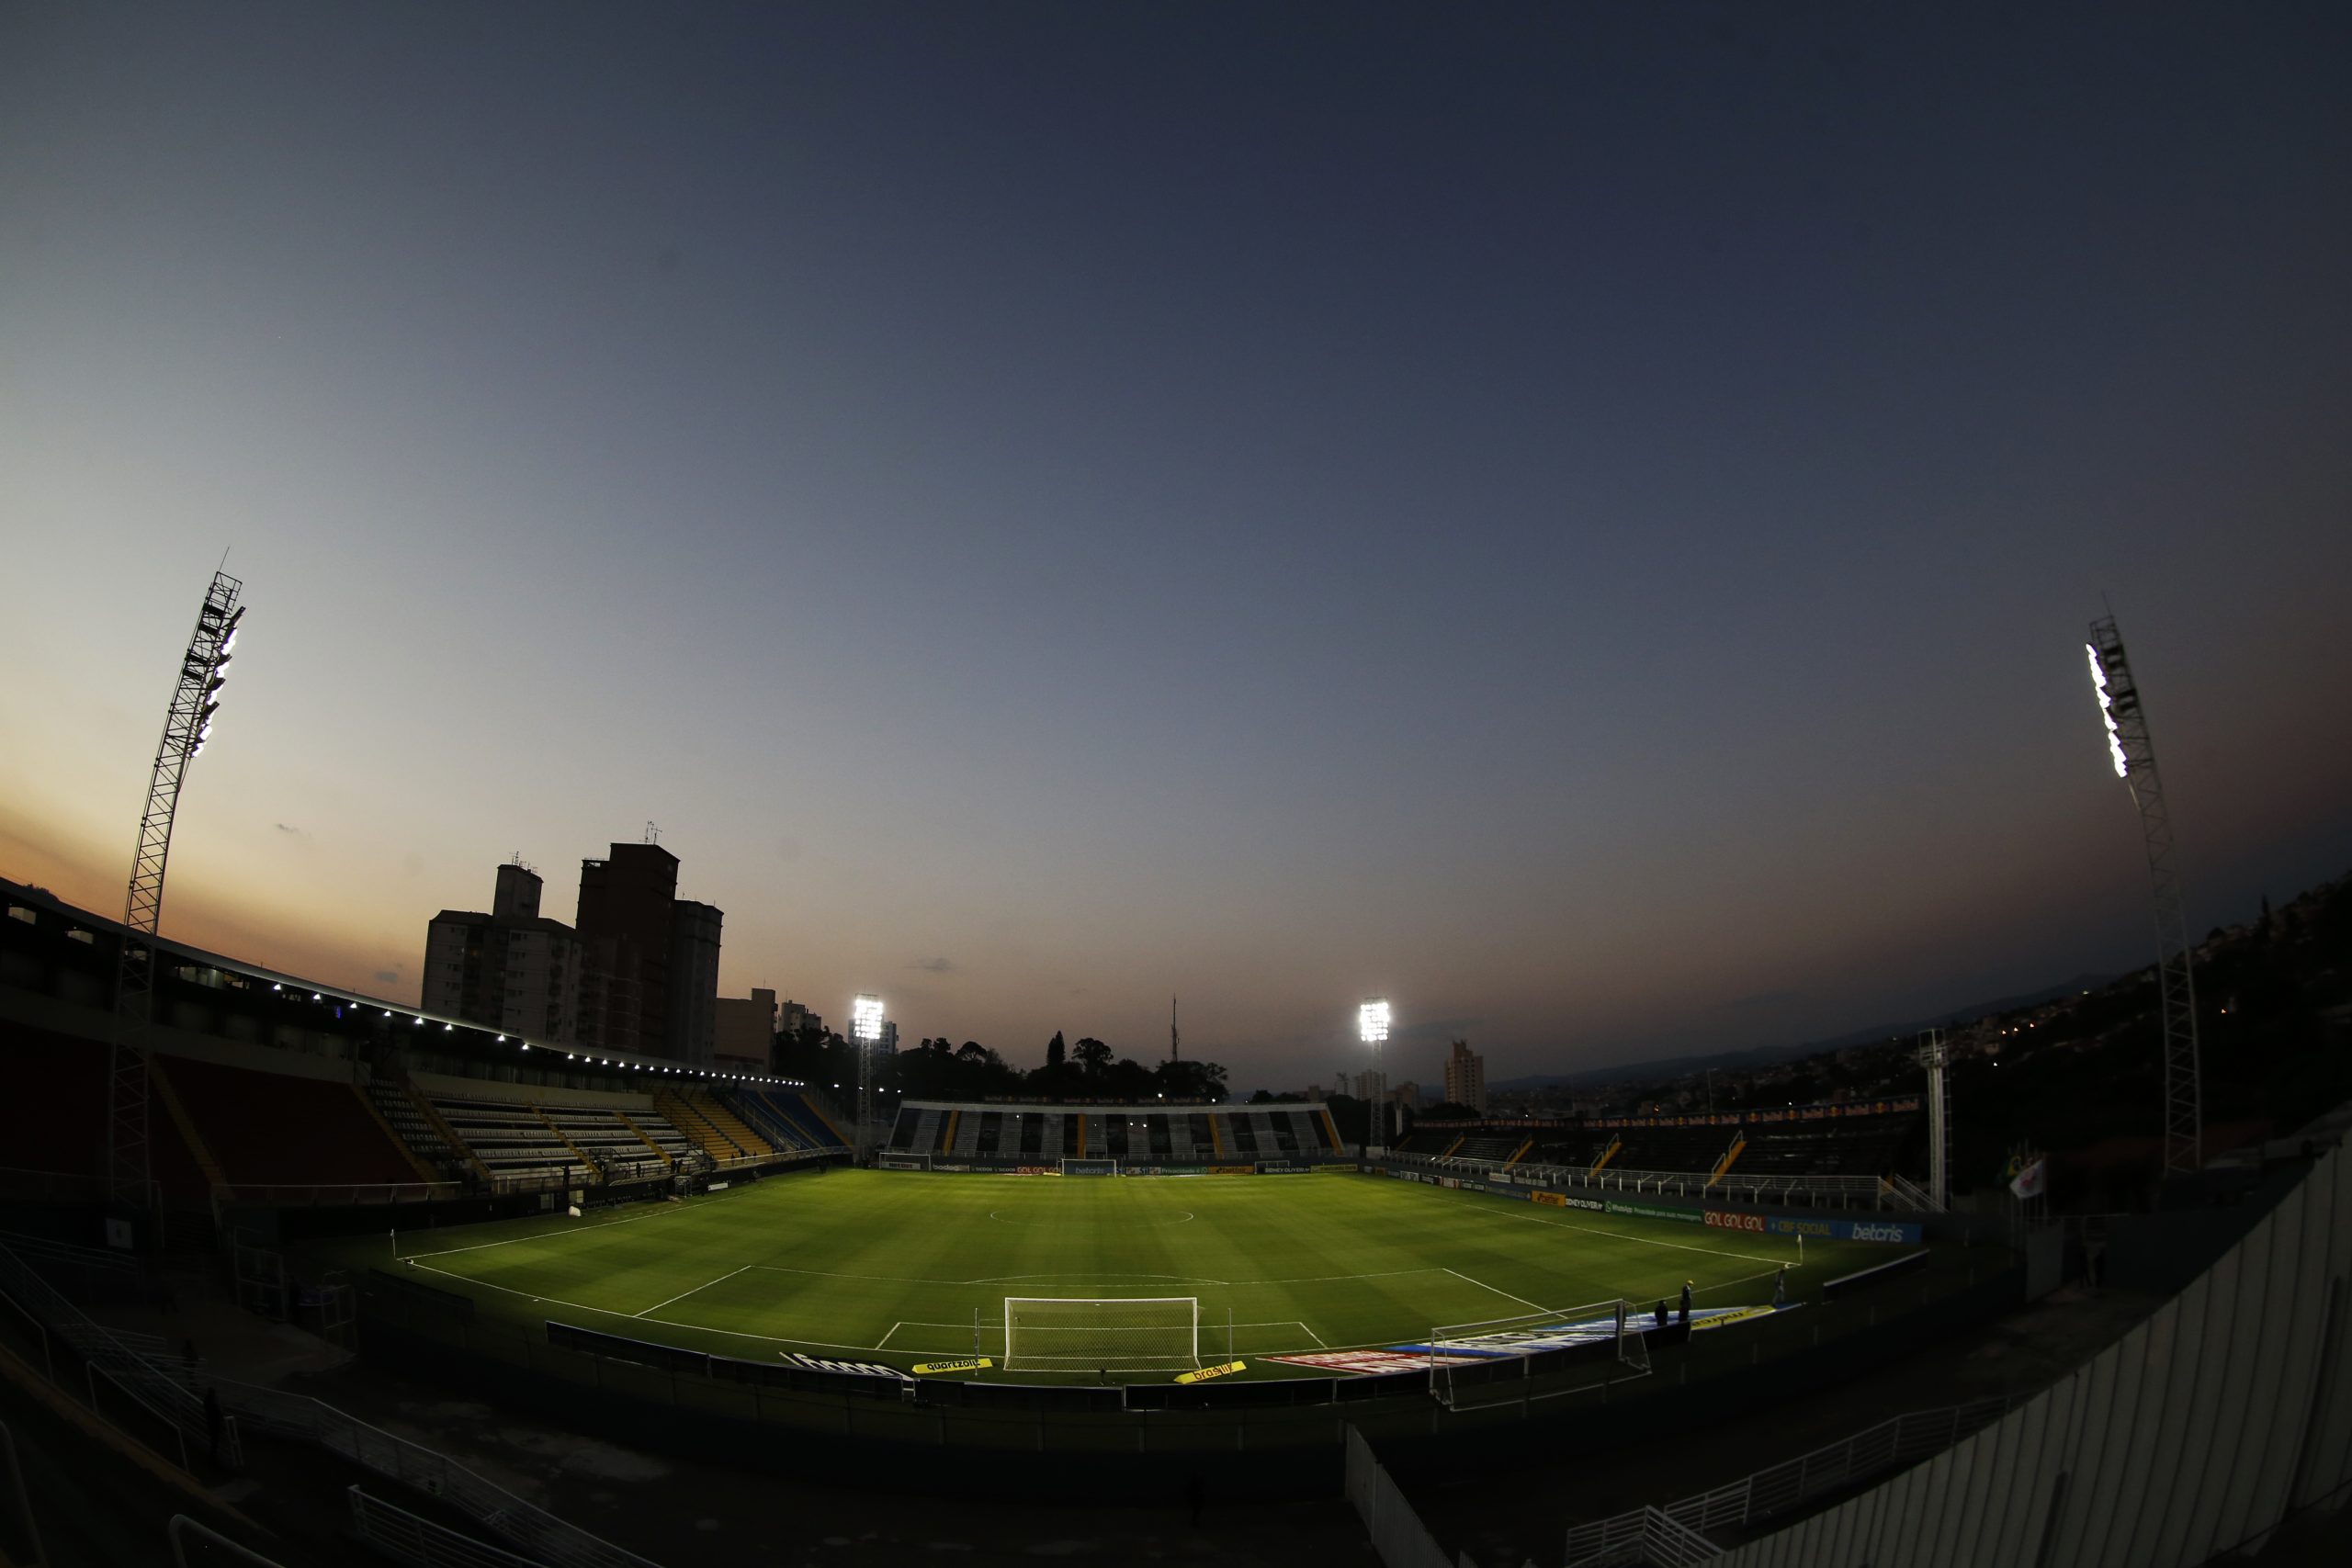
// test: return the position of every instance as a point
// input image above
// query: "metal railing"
(406, 1536)
(1910, 1194)
(126, 1360)
(1895, 1444)
(545, 1537)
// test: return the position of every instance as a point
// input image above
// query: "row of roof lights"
(601, 1061)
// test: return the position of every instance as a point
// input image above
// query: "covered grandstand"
(1013, 1135)
(1843, 1153)
(268, 1091)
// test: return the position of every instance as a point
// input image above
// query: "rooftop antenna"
(652, 832)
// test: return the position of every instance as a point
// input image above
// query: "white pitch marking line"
(682, 1295)
(1645, 1241)
(607, 1312)
(885, 1338)
(536, 1235)
(1505, 1294)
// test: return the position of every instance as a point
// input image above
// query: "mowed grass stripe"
(856, 1259)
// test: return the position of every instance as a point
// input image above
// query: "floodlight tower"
(1936, 1056)
(866, 1028)
(187, 724)
(1372, 1023)
(2135, 763)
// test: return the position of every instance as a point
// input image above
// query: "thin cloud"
(935, 966)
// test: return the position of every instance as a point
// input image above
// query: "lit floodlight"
(865, 1017)
(1372, 1020)
(2107, 712)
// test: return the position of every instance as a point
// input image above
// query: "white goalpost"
(1123, 1333)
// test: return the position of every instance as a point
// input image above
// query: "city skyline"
(1581, 524)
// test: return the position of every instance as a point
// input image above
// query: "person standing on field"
(1686, 1303)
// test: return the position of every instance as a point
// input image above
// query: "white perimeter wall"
(2197, 1432)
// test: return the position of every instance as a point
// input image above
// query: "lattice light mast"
(187, 724)
(1372, 1025)
(1936, 1058)
(2135, 763)
(866, 1028)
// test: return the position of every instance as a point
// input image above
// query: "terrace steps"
(424, 1171)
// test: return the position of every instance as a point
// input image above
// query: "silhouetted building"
(745, 1040)
(652, 958)
(510, 969)
(1466, 1077)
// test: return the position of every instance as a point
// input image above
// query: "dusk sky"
(1579, 518)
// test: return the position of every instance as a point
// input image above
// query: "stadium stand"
(62, 1081)
(787, 1119)
(274, 1129)
(515, 1142)
(1145, 1135)
(1850, 1145)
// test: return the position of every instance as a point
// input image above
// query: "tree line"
(941, 1069)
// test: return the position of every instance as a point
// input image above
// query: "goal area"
(1081, 1334)
(1090, 1167)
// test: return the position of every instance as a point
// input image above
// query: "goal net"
(1089, 1168)
(1536, 1356)
(1127, 1334)
(900, 1159)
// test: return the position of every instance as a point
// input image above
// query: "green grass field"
(893, 1266)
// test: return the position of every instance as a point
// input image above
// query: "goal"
(1089, 1168)
(889, 1159)
(1125, 1334)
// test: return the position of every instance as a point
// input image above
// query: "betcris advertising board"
(1897, 1233)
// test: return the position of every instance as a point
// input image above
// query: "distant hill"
(1769, 1055)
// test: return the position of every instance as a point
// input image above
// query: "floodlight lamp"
(314, 995)
(865, 1017)
(1372, 1020)
(2107, 712)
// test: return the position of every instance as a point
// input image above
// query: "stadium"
(1476, 652)
(700, 1264)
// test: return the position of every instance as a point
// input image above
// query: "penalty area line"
(1483, 1286)
(536, 1235)
(682, 1295)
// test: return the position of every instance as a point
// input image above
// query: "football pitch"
(906, 1266)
